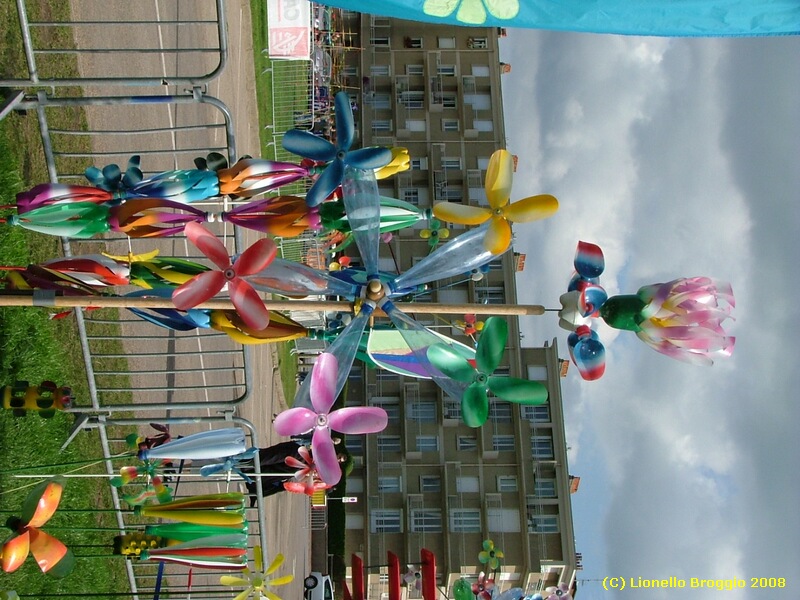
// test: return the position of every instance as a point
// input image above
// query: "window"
(412, 42)
(544, 488)
(483, 125)
(384, 375)
(480, 70)
(425, 520)
(410, 195)
(546, 524)
(450, 125)
(379, 101)
(355, 444)
(386, 483)
(491, 294)
(350, 70)
(537, 372)
(451, 193)
(536, 414)
(416, 125)
(353, 521)
(386, 520)
(478, 101)
(391, 404)
(382, 125)
(446, 70)
(503, 520)
(419, 164)
(465, 520)
(483, 163)
(478, 43)
(382, 42)
(413, 99)
(506, 483)
(427, 443)
(355, 485)
(468, 484)
(423, 411)
(415, 70)
(430, 483)
(446, 42)
(499, 412)
(446, 99)
(541, 447)
(380, 70)
(503, 443)
(355, 373)
(450, 162)
(467, 442)
(388, 443)
(452, 409)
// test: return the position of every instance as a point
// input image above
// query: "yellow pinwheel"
(258, 584)
(501, 212)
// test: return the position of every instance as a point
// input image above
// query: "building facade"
(428, 480)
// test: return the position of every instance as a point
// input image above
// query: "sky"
(678, 157)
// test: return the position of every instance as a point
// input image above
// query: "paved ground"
(286, 514)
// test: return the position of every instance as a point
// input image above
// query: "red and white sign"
(289, 28)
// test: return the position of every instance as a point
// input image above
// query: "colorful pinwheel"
(112, 179)
(81, 220)
(252, 176)
(470, 325)
(220, 510)
(258, 584)
(225, 551)
(154, 484)
(681, 318)
(434, 233)
(356, 420)
(484, 587)
(489, 353)
(216, 443)
(501, 213)
(53, 557)
(206, 285)
(490, 555)
(230, 465)
(559, 592)
(306, 144)
(413, 577)
(306, 479)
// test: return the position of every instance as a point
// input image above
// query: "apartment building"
(428, 480)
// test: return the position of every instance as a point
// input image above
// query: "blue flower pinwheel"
(112, 179)
(475, 380)
(308, 145)
(231, 465)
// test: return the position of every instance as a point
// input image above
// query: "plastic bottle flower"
(231, 464)
(490, 555)
(560, 592)
(308, 145)
(354, 420)
(472, 12)
(489, 353)
(306, 479)
(483, 587)
(258, 584)
(501, 212)
(112, 179)
(206, 285)
(53, 557)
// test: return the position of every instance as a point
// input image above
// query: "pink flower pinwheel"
(483, 587)
(306, 480)
(501, 212)
(205, 286)
(354, 420)
(558, 593)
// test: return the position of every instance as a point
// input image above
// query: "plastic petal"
(305, 143)
(520, 391)
(491, 345)
(324, 453)
(589, 260)
(370, 158)
(325, 185)
(475, 405)
(450, 363)
(41, 503)
(345, 128)
(498, 236)
(198, 289)
(256, 258)
(15, 551)
(323, 382)
(532, 208)
(295, 421)
(248, 304)
(274, 565)
(233, 580)
(51, 554)
(463, 214)
(358, 420)
(499, 175)
(588, 354)
(208, 244)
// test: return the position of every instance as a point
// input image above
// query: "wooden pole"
(51, 299)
